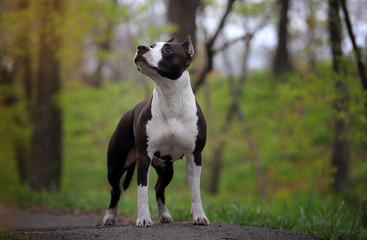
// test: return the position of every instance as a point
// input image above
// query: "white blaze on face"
(152, 58)
(154, 55)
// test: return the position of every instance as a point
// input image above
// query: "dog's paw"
(165, 218)
(144, 222)
(201, 220)
(164, 215)
(109, 218)
(198, 215)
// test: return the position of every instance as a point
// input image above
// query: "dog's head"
(165, 59)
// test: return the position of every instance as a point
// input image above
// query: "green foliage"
(337, 223)
(256, 8)
(289, 120)
(9, 235)
(323, 219)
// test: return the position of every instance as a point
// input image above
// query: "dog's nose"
(143, 49)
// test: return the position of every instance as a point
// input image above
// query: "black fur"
(165, 175)
(170, 65)
(128, 144)
(122, 143)
(201, 138)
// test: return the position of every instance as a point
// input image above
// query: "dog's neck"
(171, 98)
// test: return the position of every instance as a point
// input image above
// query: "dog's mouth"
(140, 61)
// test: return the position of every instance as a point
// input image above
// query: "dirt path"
(37, 223)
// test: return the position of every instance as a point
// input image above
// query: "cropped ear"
(188, 47)
(171, 40)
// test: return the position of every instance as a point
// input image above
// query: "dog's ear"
(171, 40)
(189, 48)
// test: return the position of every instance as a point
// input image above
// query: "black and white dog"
(159, 131)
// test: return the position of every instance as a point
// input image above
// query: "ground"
(38, 223)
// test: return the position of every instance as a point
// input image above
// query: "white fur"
(193, 176)
(172, 131)
(173, 127)
(152, 57)
(144, 218)
(164, 215)
(110, 216)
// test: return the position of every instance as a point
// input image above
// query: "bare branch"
(357, 52)
(201, 74)
(211, 41)
(245, 37)
(231, 42)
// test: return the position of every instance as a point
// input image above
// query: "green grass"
(320, 215)
(8, 235)
(289, 121)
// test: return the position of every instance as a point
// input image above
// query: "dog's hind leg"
(116, 169)
(165, 174)
(115, 172)
(118, 161)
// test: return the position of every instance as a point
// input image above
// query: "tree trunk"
(357, 52)
(104, 46)
(341, 146)
(183, 14)
(281, 63)
(18, 143)
(311, 42)
(233, 110)
(21, 68)
(216, 167)
(256, 161)
(46, 148)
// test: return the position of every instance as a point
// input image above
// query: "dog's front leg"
(144, 218)
(193, 168)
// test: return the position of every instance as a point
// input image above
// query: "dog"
(158, 131)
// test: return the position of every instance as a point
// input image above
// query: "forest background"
(282, 84)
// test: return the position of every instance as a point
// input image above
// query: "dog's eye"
(152, 46)
(167, 49)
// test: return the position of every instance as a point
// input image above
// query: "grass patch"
(325, 217)
(289, 121)
(8, 235)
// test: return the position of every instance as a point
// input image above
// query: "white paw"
(198, 215)
(165, 218)
(144, 222)
(164, 215)
(201, 220)
(109, 218)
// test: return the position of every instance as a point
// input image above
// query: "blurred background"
(282, 84)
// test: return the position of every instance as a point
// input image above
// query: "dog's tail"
(128, 177)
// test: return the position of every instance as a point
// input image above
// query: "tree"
(104, 45)
(281, 62)
(311, 21)
(234, 109)
(356, 50)
(183, 13)
(341, 146)
(15, 67)
(210, 51)
(46, 147)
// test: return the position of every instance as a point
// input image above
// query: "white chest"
(172, 131)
